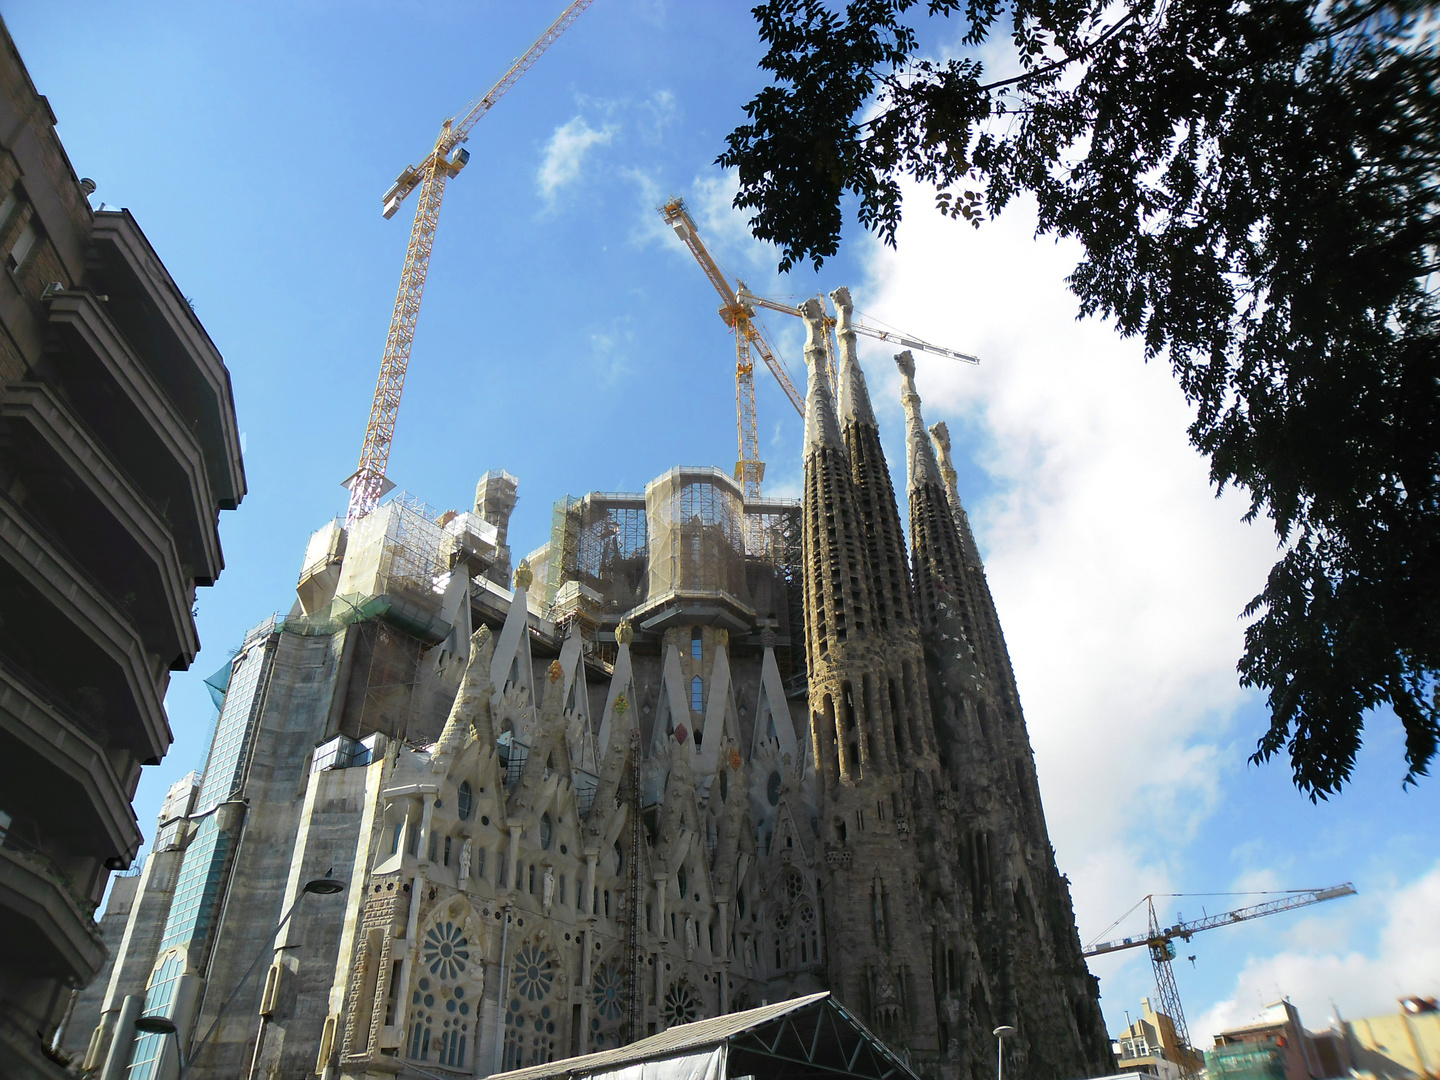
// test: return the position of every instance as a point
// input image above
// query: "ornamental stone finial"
(523, 575)
(624, 632)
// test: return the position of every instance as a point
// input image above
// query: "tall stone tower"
(938, 873)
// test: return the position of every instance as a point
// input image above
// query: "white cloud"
(1118, 575)
(565, 154)
(1313, 972)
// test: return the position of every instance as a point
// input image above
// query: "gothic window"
(808, 930)
(441, 1003)
(447, 851)
(794, 884)
(547, 833)
(562, 888)
(683, 883)
(697, 695)
(619, 860)
(464, 799)
(531, 1036)
(608, 996)
(696, 644)
(682, 1005)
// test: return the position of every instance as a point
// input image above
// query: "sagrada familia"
(707, 752)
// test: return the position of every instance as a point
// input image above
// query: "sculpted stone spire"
(940, 434)
(920, 456)
(853, 395)
(821, 427)
(471, 710)
(874, 493)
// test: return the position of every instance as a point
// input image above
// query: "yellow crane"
(737, 308)
(1160, 943)
(445, 160)
(740, 317)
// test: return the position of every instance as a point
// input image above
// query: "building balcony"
(57, 625)
(43, 931)
(118, 399)
(158, 322)
(49, 759)
(73, 492)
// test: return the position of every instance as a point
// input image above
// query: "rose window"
(609, 992)
(534, 973)
(682, 1005)
(782, 919)
(445, 950)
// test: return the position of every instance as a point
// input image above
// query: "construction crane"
(445, 160)
(737, 308)
(1161, 943)
(908, 341)
(740, 317)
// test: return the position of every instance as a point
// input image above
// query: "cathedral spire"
(920, 456)
(853, 396)
(939, 561)
(874, 493)
(940, 435)
(821, 427)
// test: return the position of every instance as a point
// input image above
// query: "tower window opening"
(447, 851)
(697, 644)
(697, 695)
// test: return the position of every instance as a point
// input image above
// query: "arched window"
(439, 1007)
(547, 831)
(697, 695)
(682, 882)
(697, 644)
(464, 799)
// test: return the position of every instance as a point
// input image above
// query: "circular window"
(806, 915)
(445, 950)
(547, 831)
(772, 789)
(782, 919)
(682, 1004)
(464, 798)
(609, 992)
(534, 973)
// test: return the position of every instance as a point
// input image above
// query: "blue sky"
(567, 337)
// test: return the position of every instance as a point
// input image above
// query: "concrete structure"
(118, 448)
(1150, 1046)
(1404, 1045)
(587, 809)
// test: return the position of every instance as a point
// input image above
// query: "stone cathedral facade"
(707, 752)
(937, 871)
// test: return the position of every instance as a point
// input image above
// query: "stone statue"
(548, 894)
(465, 862)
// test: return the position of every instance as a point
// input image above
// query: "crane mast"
(1160, 942)
(444, 161)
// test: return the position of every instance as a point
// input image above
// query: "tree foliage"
(1254, 185)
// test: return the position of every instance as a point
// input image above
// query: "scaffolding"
(601, 542)
(696, 521)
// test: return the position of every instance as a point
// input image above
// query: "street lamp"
(163, 1025)
(1001, 1033)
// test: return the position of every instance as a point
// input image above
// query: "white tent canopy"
(809, 1038)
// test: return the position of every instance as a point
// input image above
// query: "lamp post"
(163, 1025)
(1003, 1032)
